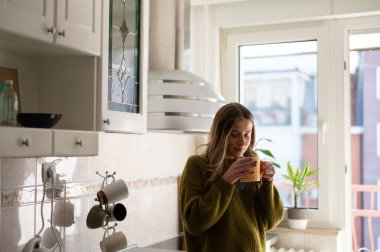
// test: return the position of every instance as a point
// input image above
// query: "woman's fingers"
(268, 170)
(239, 169)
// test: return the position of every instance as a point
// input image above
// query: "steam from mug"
(113, 192)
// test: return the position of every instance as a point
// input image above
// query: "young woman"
(218, 214)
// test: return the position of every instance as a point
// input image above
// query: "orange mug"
(256, 175)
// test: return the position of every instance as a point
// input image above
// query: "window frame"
(235, 37)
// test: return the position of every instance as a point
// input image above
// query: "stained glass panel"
(123, 66)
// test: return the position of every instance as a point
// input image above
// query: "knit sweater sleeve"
(201, 206)
(273, 208)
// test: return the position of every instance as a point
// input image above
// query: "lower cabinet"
(31, 142)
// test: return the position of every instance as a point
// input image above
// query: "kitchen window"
(278, 83)
(280, 73)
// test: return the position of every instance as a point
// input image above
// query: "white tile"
(17, 227)
(163, 214)
(17, 172)
(77, 236)
(69, 169)
(135, 224)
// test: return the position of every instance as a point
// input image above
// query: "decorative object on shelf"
(298, 217)
(8, 104)
(109, 210)
(38, 120)
(11, 74)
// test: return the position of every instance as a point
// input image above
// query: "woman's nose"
(241, 140)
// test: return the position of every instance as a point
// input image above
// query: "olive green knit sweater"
(221, 217)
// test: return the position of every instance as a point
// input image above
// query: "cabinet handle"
(107, 121)
(51, 30)
(62, 33)
(26, 142)
(79, 142)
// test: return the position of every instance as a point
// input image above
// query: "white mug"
(117, 212)
(63, 214)
(113, 192)
(115, 242)
(48, 237)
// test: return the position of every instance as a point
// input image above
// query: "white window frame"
(233, 38)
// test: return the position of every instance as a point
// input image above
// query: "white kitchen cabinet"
(75, 143)
(31, 142)
(72, 24)
(25, 142)
(117, 70)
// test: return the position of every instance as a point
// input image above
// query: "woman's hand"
(241, 168)
(267, 170)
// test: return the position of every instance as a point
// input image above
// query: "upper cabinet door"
(73, 24)
(124, 66)
(78, 25)
(34, 19)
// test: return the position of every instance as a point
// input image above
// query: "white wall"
(210, 16)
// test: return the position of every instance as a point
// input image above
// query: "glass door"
(365, 139)
(278, 83)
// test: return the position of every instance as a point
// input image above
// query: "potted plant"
(298, 217)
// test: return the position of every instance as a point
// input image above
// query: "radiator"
(290, 250)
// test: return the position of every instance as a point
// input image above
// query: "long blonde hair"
(216, 148)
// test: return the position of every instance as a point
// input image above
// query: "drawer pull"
(62, 33)
(79, 142)
(26, 142)
(51, 30)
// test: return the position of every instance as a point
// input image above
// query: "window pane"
(278, 84)
(365, 140)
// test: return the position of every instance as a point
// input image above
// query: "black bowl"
(38, 120)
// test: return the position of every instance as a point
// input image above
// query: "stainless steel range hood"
(178, 100)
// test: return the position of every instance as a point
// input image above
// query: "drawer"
(75, 143)
(25, 142)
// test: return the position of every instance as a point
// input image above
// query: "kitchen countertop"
(174, 244)
(150, 250)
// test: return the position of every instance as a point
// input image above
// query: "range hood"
(178, 100)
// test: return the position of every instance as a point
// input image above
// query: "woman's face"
(240, 138)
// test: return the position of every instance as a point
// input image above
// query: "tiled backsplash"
(150, 165)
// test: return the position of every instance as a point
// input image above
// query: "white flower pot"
(298, 223)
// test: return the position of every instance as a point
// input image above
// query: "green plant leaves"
(266, 152)
(298, 179)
